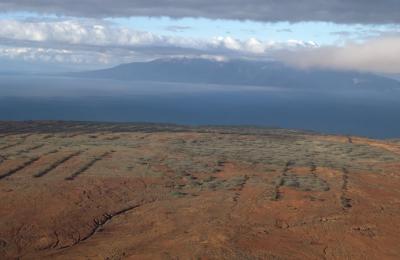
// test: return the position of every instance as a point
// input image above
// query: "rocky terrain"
(75, 190)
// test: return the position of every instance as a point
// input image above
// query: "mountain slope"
(239, 72)
(86, 190)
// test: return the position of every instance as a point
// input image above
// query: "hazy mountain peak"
(241, 72)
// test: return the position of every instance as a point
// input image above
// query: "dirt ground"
(142, 191)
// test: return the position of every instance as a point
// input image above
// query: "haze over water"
(371, 113)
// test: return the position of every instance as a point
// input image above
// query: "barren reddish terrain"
(141, 191)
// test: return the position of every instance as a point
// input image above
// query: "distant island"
(241, 72)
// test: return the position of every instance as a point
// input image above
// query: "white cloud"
(54, 55)
(89, 40)
(75, 32)
(379, 55)
(98, 43)
(255, 46)
(99, 33)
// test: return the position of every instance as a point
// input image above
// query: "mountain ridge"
(239, 72)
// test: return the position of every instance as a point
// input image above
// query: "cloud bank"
(96, 43)
(380, 55)
(105, 43)
(337, 11)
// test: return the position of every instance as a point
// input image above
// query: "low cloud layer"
(96, 43)
(105, 43)
(337, 11)
(380, 55)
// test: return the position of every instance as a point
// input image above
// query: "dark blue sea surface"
(356, 111)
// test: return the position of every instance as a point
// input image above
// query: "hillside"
(74, 190)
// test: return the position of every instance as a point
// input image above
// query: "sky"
(48, 35)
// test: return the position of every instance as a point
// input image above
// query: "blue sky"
(323, 33)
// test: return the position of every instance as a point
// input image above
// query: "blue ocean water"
(373, 112)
